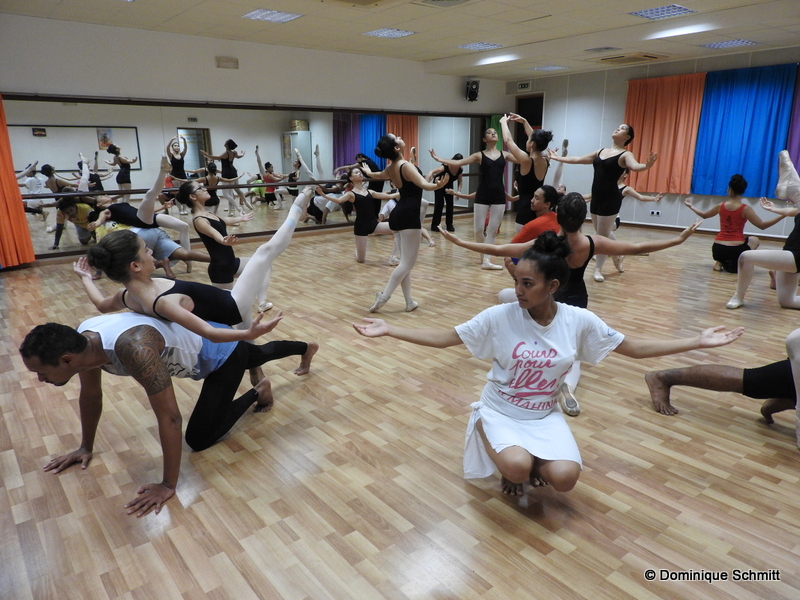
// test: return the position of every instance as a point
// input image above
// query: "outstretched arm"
(90, 403)
(709, 338)
(786, 211)
(411, 174)
(587, 159)
(633, 165)
(703, 214)
(442, 338)
(629, 191)
(510, 250)
(609, 247)
(472, 158)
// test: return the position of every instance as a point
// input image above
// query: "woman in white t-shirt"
(517, 426)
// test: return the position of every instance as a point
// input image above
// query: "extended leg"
(719, 378)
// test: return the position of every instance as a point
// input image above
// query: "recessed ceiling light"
(728, 44)
(548, 68)
(492, 60)
(480, 46)
(388, 32)
(677, 31)
(663, 12)
(273, 16)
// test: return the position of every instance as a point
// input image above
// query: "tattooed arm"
(139, 349)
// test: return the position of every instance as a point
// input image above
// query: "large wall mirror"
(56, 130)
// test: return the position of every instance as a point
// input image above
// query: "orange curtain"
(665, 114)
(407, 127)
(15, 238)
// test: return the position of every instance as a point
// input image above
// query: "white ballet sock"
(788, 187)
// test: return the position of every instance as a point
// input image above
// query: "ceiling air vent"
(629, 59)
(440, 3)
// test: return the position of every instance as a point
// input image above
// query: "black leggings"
(770, 381)
(216, 412)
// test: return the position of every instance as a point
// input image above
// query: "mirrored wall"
(57, 131)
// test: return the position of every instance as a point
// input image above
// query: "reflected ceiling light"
(548, 68)
(728, 44)
(273, 16)
(480, 46)
(492, 60)
(663, 12)
(388, 32)
(689, 29)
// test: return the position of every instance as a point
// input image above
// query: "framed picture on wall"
(104, 137)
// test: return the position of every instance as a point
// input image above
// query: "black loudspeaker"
(473, 87)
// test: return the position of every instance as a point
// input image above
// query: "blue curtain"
(373, 127)
(744, 123)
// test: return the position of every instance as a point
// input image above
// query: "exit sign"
(523, 86)
(192, 119)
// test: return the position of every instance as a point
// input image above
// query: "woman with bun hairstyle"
(211, 180)
(229, 174)
(124, 163)
(516, 426)
(731, 241)
(490, 197)
(609, 164)
(404, 219)
(533, 164)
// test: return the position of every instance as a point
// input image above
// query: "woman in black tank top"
(406, 221)
(124, 164)
(609, 164)
(490, 197)
(229, 173)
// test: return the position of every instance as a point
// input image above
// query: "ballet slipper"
(788, 187)
(598, 277)
(567, 401)
(617, 260)
(380, 300)
(734, 303)
(564, 146)
(486, 265)
(411, 306)
(264, 306)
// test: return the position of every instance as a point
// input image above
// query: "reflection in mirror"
(143, 132)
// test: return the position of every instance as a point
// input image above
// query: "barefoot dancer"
(731, 241)
(153, 351)
(516, 427)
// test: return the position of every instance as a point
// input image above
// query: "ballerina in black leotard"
(609, 164)
(124, 174)
(404, 220)
(229, 173)
(490, 197)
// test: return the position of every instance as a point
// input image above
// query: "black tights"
(216, 412)
(442, 201)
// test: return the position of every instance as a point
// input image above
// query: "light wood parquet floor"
(351, 487)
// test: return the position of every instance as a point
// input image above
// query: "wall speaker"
(473, 87)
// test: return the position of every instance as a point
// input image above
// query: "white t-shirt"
(33, 185)
(186, 354)
(529, 361)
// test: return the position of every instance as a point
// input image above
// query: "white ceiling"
(534, 32)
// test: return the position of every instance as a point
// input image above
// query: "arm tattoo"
(139, 349)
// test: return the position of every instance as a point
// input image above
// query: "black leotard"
(94, 178)
(224, 264)
(442, 201)
(228, 171)
(124, 174)
(606, 195)
(210, 303)
(526, 187)
(366, 221)
(792, 243)
(178, 170)
(124, 213)
(293, 189)
(574, 293)
(406, 214)
(212, 191)
(490, 182)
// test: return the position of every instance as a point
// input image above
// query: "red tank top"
(731, 224)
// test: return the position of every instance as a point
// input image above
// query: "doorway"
(196, 140)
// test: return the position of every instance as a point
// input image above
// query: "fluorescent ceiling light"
(492, 60)
(663, 12)
(480, 46)
(548, 68)
(728, 44)
(273, 16)
(388, 32)
(689, 29)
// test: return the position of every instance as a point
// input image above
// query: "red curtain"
(406, 127)
(15, 238)
(665, 114)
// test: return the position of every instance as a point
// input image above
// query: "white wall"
(66, 58)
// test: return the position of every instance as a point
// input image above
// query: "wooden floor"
(352, 486)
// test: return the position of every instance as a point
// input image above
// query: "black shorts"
(728, 256)
(770, 381)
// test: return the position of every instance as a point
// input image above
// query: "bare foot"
(265, 399)
(510, 488)
(535, 478)
(256, 375)
(167, 268)
(659, 394)
(773, 405)
(305, 360)
(717, 267)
